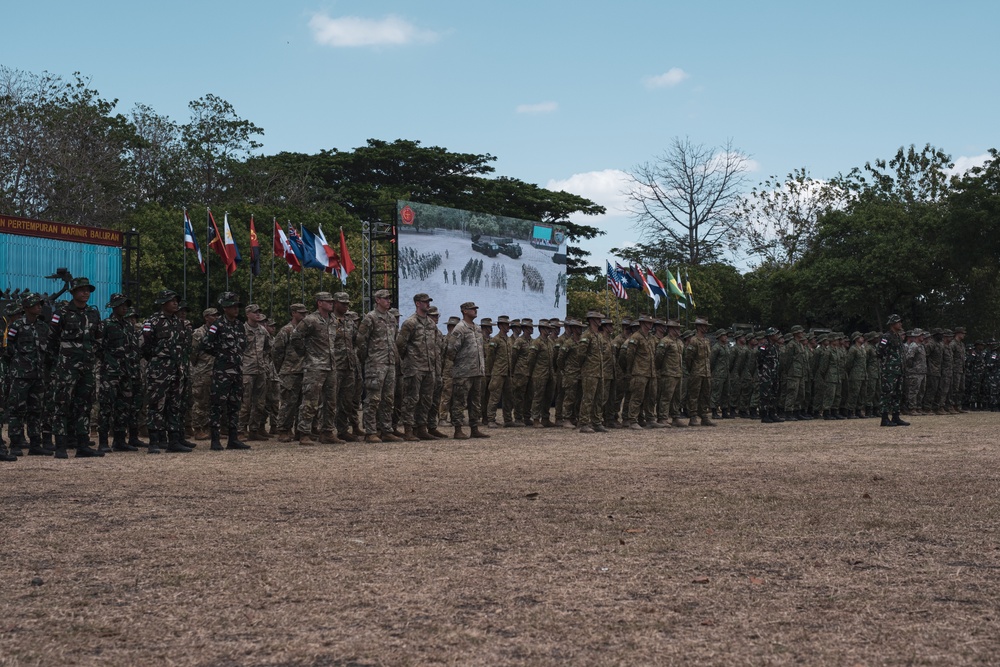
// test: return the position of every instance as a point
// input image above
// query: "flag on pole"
(297, 246)
(346, 265)
(614, 282)
(656, 288)
(626, 277)
(254, 250)
(190, 242)
(675, 289)
(332, 259)
(283, 248)
(639, 274)
(232, 251)
(687, 286)
(314, 256)
(218, 244)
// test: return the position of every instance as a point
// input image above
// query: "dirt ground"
(811, 543)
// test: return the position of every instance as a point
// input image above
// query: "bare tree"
(689, 197)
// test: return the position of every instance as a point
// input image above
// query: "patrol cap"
(342, 297)
(893, 319)
(686, 334)
(422, 297)
(527, 322)
(382, 294)
(503, 319)
(394, 312)
(212, 312)
(227, 299)
(118, 299)
(959, 330)
(469, 305)
(183, 305)
(163, 297)
(298, 308)
(486, 322)
(720, 332)
(81, 283)
(857, 334)
(252, 308)
(433, 311)
(351, 314)
(453, 320)
(796, 329)
(323, 296)
(34, 298)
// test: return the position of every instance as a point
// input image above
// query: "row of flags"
(298, 249)
(621, 278)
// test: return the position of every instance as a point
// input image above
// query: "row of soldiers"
(312, 378)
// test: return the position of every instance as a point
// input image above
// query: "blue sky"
(565, 94)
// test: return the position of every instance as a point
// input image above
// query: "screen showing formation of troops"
(330, 376)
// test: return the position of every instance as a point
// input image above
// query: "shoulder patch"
(213, 329)
(55, 318)
(12, 331)
(147, 327)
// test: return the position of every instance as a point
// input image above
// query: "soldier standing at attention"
(719, 361)
(540, 368)
(934, 353)
(465, 349)
(415, 344)
(27, 339)
(486, 330)
(377, 351)
(74, 335)
(857, 375)
(768, 376)
(115, 393)
(201, 376)
(890, 354)
(569, 361)
(431, 423)
(640, 364)
(522, 374)
(593, 349)
(226, 341)
(669, 358)
(444, 405)
(313, 338)
(345, 333)
(252, 410)
(499, 356)
(697, 359)
(957, 395)
(288, 364)
(163, 341)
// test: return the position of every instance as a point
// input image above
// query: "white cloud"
(542, 107)
(668, 79)
(606, 187)
(965, 163)
(346, 31)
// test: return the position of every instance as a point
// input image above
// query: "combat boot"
(307, 440)
(677, 422)
(84, 449)
(586, 428)
(408, 435)
(600, 428)
(664, 423)
(476, 433)
(422, 433)
(897, 421)
(60, 451)
(634, 426)
(460, 434)
(120, 444)
(346, 436)
(715, 413)
(234, 440)
(133, 437)
(435, 433)
(766, 419)
(254, 436)
(6, 455)
(536, 423)
(175, 443)
(886, 421)
(804, 416)
(330, 438)
(203, 435)
(693, 421)
(705, 421)
(372, 438)
(850, 414)
(390, 436)
(16, 442)
(216, 445)
(37, 448)
(776, 418)
(826, 415)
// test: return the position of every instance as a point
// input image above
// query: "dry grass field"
(812, 543)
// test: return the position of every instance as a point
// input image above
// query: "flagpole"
(184, 250)
(208, 260)
(225, 246)
(273, 223)
(303, 272)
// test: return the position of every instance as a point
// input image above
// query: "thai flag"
(190, 242)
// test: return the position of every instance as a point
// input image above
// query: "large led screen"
(505, 265)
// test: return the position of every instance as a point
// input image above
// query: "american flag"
(615, 283)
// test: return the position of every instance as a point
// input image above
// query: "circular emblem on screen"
(407, 215)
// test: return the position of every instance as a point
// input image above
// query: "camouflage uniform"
(164, 338)
(226, 341)
(669, 362)
(541, 367)
(201, 378)
(934, 354)
(25, 365)
(593, 349)
(857, 375)
(115, 393)
(288, 363)
(768, 369)
(253, 409)
(345, 333)
(522, 374)
(416, 344)
(499, 357)
(465, 348)
(697, 359)
(313, 339)
(569, 364)
(376, 340)
(719, 361)
(640, 363)
(890, 354)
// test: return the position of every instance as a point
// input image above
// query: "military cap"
(626, 321)
(658, 321)
(183, 305)
(421, 297)
(298, 308)
(433, 311)
(606, 321)
(593, 314)
(720, 332)
(936, 330)
(469, 305)
(771, 331)
(673, 323)
(118, 299)
(645, 319)
(948, 332)
(555, 323)
(210, 312)
(702, 320)
(739, 334)
(527, 322)
(872, 335)
(81, 283)
(543, 324)
(342, 297)
(574, 323)
(503, 319)
(132, 312)
(323, 296)
(788, 336)
(959, 330)
(34, 298)
(515, 323)
(913, 333)
(227, 299)
(893, 319)
(453, 320)
(486, 322)
(163, 297)
(634, 324)
(353, 315)
(856, 335)
(796, 329)
(382, 294)
(394, 312)
(686, 334)
(252, 308)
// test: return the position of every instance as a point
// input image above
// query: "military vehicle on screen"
(488, 248)
(509, 247)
